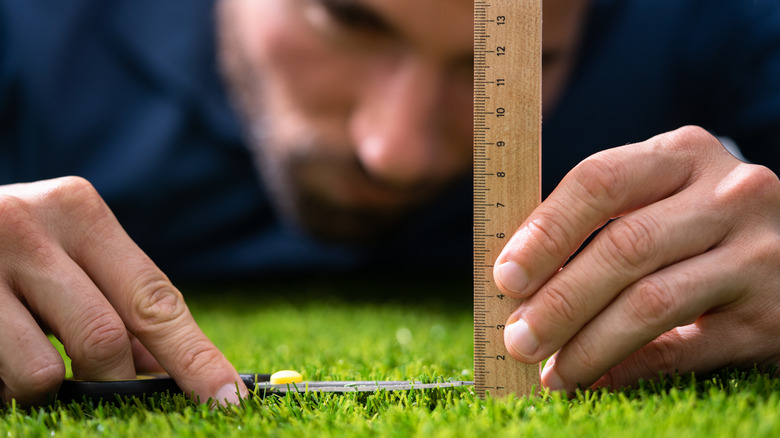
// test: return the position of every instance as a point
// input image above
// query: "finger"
(63, 297)
(151, 307)
(627, 249)
(714, 341)
(157, 315)
(673, 297)
(606, 185)
(67, 302)
(741, 333)
(155, 312)
(681, 350)
(30, 367)
(143, 359)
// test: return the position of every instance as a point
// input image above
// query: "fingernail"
(551, 378)
(228, 395)
(512, 276)
(521, 339)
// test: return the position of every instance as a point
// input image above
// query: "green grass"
(331, 330)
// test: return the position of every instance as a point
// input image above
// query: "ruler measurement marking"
(507, 135)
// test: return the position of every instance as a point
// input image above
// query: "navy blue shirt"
(651, 66)
(126, 94)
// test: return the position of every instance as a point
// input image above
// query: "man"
(359, 110)
(128, 97)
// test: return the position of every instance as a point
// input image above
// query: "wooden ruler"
(507, 143)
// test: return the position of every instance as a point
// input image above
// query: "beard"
(284, 177)
(309, 176)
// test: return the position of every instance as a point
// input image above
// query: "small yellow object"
(286, 376)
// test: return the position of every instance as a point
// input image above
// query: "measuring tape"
(507, 143)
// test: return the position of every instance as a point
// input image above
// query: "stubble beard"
(306, 211)
(280, 163)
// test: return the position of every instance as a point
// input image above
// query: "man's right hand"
(67, 267)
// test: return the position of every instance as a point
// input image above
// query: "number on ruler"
(506, 99)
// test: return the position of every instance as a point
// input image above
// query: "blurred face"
(358, 111)
(563, 25)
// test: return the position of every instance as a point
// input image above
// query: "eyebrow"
(358, 13)
(371, 17)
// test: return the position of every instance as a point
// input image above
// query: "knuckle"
(692, 135)
(651, 304)
(156, 303)
(550, 233)
(11, 207)
(45, 374)
(750, 186)
(15, 215)
(602, 180)
(584, 354)
(21, 234)
(662, 356)
(560, 304)
(689, 145)
(198, 357)
(73, 186)
(77, 196)
(688, 140)
(102, 340)
(759, 182)
(631, 241)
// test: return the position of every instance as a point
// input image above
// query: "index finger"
(152, 309)
(604, 186)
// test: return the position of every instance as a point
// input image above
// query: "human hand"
(66, 265)
(686, 278)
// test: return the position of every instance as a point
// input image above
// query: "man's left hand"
(685, 276)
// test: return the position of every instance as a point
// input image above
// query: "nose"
(397, 125)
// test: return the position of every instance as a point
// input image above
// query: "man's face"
(360, 111)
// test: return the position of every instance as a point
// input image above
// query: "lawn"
(397, 330)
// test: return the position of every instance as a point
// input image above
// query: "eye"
(354, 17)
